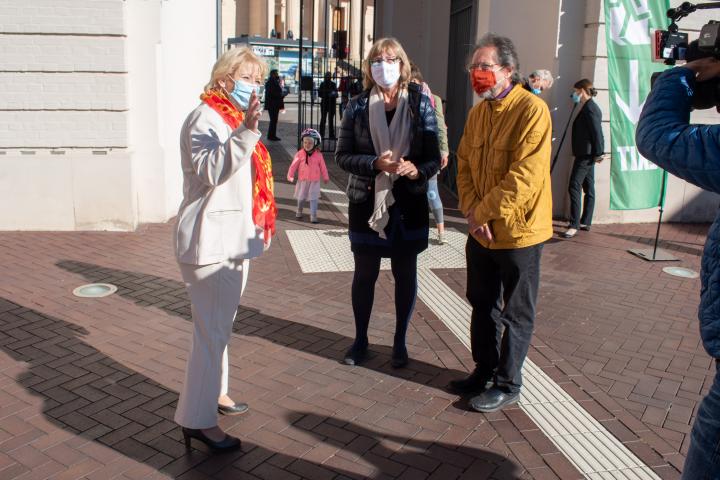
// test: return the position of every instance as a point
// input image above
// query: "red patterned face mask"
(482, 80)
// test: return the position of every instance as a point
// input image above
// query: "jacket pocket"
(359, 188)
(503, 154)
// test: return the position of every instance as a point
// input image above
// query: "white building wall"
(90, 94)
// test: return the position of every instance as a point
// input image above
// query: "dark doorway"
(459, 98)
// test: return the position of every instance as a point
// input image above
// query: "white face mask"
(385, 74)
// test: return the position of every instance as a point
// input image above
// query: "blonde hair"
(385, 45)
(230, 61)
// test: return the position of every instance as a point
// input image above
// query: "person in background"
(433, 194)
(328, 104)
(226, 217)
(588, 146)
(388, 144)
(273, 103)
(310, 165)
(538, 81)
(504, 191)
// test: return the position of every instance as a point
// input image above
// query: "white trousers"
(215, 292)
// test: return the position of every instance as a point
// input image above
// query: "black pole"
(326, 39)
(362, 28)
(218, 28)
(562, 140)
(661, 205)
(300, 92)
(312, 63)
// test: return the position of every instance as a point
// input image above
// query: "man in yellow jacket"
(504, 186)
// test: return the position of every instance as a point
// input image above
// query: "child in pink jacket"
(310, 166)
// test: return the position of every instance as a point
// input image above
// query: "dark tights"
(367, 268)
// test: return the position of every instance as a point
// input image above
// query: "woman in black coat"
(588, 146)
(388, 144)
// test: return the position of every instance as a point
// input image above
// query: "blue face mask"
(241, 93)
(575, 97)
(536, 91)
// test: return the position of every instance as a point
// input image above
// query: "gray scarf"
(395, 137)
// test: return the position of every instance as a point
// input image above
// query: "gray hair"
(505, 52)
(543, 75)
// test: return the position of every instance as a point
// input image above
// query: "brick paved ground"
(89, 386)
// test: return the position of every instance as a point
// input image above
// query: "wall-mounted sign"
(264, 51)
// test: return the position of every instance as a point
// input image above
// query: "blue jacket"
(691, 152)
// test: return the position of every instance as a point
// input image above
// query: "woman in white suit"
(227, 217)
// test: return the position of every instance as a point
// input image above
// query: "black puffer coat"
(407, 229)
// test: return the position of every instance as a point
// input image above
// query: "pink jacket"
(309, 171)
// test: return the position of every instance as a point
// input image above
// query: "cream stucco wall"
(92, 97)
(422, 26)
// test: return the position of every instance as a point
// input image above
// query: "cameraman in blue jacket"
(692, 152)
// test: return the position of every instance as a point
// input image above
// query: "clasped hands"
(404, 168)
(483, 231)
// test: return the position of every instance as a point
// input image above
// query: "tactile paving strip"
(595, 452)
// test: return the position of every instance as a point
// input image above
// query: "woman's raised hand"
(253, 112)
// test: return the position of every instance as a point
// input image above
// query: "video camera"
(670, 46)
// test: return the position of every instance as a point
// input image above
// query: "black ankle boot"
(357, 354)
(476, 382)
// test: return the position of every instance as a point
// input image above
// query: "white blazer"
(214, 222)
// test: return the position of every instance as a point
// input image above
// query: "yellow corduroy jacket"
(504, 169)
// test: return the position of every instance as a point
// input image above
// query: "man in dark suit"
(588, 146)
(273, 102)
(328, 104)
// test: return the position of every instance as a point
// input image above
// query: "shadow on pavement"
(88, 394)
(650, 241)
(147, 291)
(387, 453)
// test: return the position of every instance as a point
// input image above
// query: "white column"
(270, 17)
(292, 16)
(354, 34)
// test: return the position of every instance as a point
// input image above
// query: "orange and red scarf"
(264, 210)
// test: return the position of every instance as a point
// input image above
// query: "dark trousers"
(327, 111)
(582, 179)
(367, 268)
(272, 129)
(703, 461)
(502, 288)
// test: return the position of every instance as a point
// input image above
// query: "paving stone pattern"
(89, 386)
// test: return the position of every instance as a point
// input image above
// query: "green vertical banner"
(635, 182)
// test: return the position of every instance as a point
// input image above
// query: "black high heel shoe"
(227, 444)
(237, 409)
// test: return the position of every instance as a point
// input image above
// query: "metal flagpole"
(655, 254)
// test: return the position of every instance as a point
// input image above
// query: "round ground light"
(95, 290)
(681, 272)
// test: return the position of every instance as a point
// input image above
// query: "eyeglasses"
(379, 61)
(487, 67)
